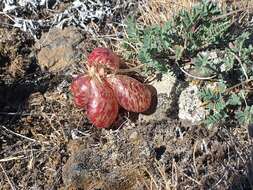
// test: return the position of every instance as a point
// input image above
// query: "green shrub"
(213, 46)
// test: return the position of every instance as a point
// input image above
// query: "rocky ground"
(47, 143)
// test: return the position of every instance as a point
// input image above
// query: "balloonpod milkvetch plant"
(100, 94)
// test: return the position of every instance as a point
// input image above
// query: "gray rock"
(163, 98)
(58, 49)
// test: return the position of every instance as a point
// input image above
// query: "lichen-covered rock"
(190, 109)
(58, 49)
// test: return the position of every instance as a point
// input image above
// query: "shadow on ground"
(14, 96)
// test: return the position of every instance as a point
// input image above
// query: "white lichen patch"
(190, 109)
(78, 13)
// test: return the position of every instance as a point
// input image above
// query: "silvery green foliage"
(204, 45)
(79, 13)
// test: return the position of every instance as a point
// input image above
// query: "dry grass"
(157, 12)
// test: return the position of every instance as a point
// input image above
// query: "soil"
(47, 143)
(162, 154)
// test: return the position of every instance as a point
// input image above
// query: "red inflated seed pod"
(131, 94)
(102, 108)
(103, 57)
(80, 89)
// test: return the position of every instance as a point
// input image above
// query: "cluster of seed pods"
(100, 94)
